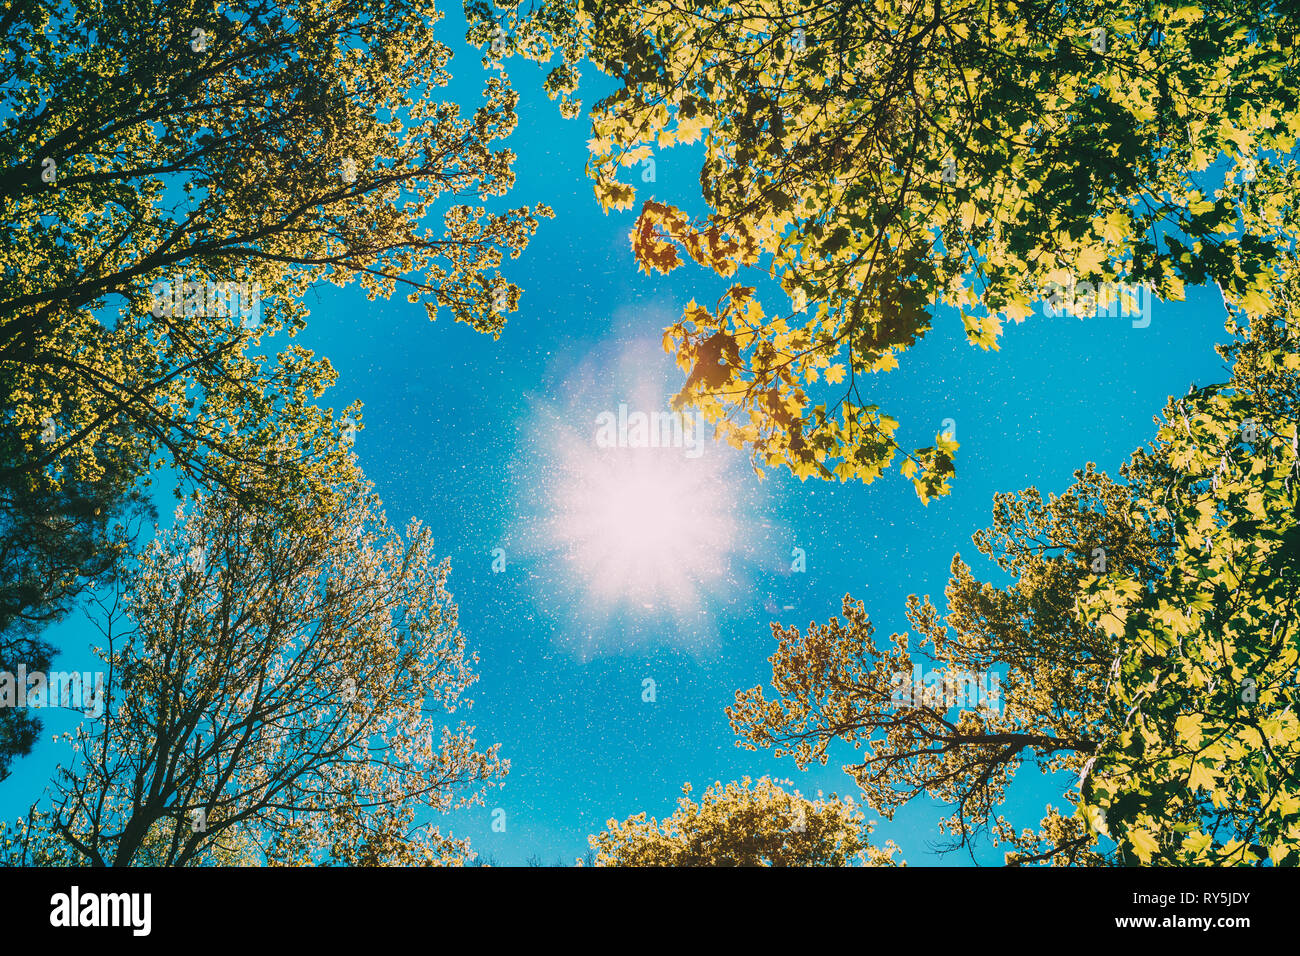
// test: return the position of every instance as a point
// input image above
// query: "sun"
(648, 528)
(631, 524)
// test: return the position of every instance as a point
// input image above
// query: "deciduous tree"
(882, 160)
(158, 155)
(1148, 646)
(273, 690)
(152, 148)
(1200, 763)
(744, 825)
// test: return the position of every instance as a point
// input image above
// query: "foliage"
(155, 155)
(883, 159)
(1137, 614)
(54, 538)
(832, 685)
(51, 543)
(740, 825)
(1199, 767)
(263, 144)
(282, 683)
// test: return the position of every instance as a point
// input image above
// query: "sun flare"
(645, 527)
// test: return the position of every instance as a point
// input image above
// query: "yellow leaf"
(1201, 776)
(1255, 303)
(1144, 844)
(1188, 728)
(1089, 259)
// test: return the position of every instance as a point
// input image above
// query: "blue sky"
(469, 435)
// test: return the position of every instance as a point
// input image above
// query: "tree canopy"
(173, 177)
(266, 145)
(743, 825)
(884, 160)
(1199, 763)
(1148, 647)
(282, 665)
